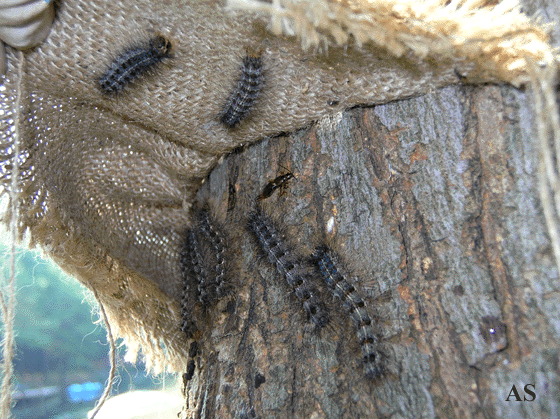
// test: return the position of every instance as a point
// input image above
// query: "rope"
(8, 303)
(112, 357)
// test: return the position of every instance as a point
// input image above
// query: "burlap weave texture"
(107, 181)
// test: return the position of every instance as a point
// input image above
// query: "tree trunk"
(437, 215)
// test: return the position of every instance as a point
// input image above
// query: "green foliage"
(53, 325)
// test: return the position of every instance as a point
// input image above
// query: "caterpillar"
(203, 260)
(203, 267)
(328, 265)
(297, 272)
(133, 63)
(216, 240)
(192, 271)
(246, 92)
(194, 263)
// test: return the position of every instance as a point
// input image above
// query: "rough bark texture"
(436, 212)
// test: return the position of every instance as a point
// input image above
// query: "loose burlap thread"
(106, 182)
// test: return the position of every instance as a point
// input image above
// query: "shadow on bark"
(433, 204)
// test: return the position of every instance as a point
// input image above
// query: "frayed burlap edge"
(141, 315)
(498, 38)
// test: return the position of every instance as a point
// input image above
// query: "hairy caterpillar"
(297, 271)
(192, 270)
(203, 266)
(246, 92)
(328, 265)
(216, 240)
(134, 62)
(203, 261)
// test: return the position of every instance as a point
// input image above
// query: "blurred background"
(61, 362)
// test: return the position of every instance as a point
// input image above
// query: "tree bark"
(437, 215)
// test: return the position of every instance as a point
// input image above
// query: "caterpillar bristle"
(248, 87)
(331, 269)
(293, 268)
(133, 63)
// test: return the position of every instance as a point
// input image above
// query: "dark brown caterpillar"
(328, 265)
(246, 92)
(297, 272)
(133, 63)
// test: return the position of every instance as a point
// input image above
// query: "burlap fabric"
(106, 182)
